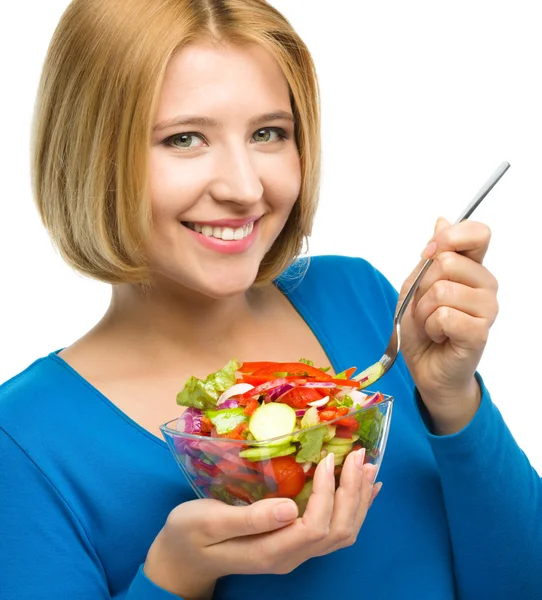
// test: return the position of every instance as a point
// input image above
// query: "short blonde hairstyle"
(94, 115)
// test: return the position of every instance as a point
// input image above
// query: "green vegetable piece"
(203, 394)
(303, 497)
(370, 426)
(311, 445)
(267, 452)
(226, 420)
(272, 420)
(310, 418)
(306, 362)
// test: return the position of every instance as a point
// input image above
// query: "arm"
(45, 552)
(493, 500)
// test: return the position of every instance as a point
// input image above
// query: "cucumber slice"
(339, 449)
(303, 497)
(267, 452)
(330, 433)
(337, 441)
(272, 420)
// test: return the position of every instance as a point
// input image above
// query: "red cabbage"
(190, 421)
(229, 403)
(279, 391)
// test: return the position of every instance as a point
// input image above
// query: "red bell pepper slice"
(264, 387)
(240, 492)
(250, 367)
(251, 406)
(350, 422)
(292, 368)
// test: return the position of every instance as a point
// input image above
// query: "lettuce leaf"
(370, 425)
(311, 445)
(203, 394)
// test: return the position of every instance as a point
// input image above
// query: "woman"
(176, 157)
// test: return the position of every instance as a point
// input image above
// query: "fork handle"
(484, 191)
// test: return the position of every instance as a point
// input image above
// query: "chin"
(226, 283)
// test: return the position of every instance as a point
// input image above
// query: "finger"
(317, 515)
(470, 238)
(218, 521)
(376, 490)
(368, 477)
(474, 302)
(459, 268)
(348, 498)
(352, 501)
(462, 329)
(428, 252)
(295, 543)
(454, 267)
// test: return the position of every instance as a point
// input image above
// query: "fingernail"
(440, 224)
(429, 250)
(360, 457)
(330, 462)
(285, 511)
(377, 487)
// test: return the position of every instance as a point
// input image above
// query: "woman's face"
(224, 167)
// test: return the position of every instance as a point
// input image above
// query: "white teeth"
(227, 234)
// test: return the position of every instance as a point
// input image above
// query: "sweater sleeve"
(45, 553)
(493, 499)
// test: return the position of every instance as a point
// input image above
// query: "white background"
(422, 100)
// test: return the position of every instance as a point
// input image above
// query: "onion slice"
(320, 402)
(235, 390)
(319, 384)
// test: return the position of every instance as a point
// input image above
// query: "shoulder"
(341, 280)
(30, 400)
(309, 270)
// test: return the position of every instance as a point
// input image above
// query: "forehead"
(211, 80)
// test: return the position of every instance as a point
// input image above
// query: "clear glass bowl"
(215, 469)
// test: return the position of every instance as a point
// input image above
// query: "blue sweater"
(84, 490)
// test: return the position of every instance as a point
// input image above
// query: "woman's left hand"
(444, 333)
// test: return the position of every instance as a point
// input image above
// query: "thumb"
(431, 247)
(227, 522)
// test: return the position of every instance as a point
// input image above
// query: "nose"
(237, 179)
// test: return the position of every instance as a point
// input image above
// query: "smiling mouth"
(228, 234)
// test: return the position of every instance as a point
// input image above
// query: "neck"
(162, 320)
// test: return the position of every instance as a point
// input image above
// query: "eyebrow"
(198, 121)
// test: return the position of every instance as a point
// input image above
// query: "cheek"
(173, 188)
(282, 181)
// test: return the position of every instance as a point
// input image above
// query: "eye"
(185, 141)
(269, 134)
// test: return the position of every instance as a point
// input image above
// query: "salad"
(259, 429)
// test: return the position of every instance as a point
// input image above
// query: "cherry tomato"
(288, 474)
(299, 397)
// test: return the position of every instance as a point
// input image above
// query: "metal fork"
(380, 368)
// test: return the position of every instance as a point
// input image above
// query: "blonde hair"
(93, 120)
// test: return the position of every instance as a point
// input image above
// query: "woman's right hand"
(203, 540)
